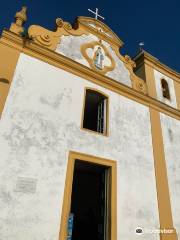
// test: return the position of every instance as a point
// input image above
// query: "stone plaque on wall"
(26, 185)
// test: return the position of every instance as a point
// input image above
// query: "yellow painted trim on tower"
(149, 62)
(68, 191)
(163, 196)
(177, 92)
(146, 58)
(150, 81)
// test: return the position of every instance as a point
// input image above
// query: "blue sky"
(155, 22)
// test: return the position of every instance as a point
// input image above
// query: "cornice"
(12, 40)
(44, 54)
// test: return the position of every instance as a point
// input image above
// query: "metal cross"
(141, 44)
(96, 13)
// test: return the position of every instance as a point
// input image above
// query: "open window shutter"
(100, 119)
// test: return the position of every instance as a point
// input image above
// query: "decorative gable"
(91, 43)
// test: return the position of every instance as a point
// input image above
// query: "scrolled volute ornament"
(139, 84)
(50, 39)
(67, 26)
(59, 22)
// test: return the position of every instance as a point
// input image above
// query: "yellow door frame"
(112, 222)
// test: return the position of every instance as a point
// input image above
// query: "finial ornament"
(20, 19)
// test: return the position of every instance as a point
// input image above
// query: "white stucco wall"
(171, 137)
(40, 124)
(70, 46)
(158, 76)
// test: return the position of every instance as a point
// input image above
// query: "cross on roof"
(141, 44)
(96, 13)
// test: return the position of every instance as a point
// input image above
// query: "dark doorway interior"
(89, 201)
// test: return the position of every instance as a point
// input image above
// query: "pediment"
(100, 29)
(91, 43)
(82, 25)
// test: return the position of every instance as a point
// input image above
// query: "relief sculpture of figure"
(98, 58)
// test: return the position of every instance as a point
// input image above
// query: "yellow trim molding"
(99, 29)
(32, 49)
(137, 83)
(145, 57)
(50, 39)
(151, 85)
(177, 92)
(8, 60)
(85, 26)
(146, 61)
(163, 196)
(68, 190)
(82, 25)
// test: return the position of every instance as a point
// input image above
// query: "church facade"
(89, 138)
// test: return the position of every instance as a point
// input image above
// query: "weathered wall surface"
(70, 46)
(158, 76)
(171, 137)
(40, 125)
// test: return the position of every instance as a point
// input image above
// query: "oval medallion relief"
(98, 57)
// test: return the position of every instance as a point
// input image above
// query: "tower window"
(95, 111)
(165, 89)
